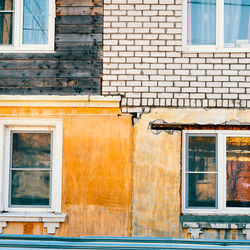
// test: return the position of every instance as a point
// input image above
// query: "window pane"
(5, 28)
(238, 171)
(202, 153)
(201, 22)
(237, 23)
(31, 150)
(201, 190)
(6, 5)
(30, 187)
(35, 21)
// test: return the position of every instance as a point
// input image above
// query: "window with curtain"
(219, 24)
(216, 176)
(35, 21)
(27, 25)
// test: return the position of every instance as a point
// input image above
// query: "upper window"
(31, 166)
(216, 176)
(219, 25)
(27, 25)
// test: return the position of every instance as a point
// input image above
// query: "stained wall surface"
(74, 67)
(96, 183)
(157, 173)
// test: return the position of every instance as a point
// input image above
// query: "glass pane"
(201, 190)
(30, 187)
(5, 28)
(31, 150)
(35, 21)
(201, 22)
(6, 5)
(238, 171)
(237, 23)
(202, 153)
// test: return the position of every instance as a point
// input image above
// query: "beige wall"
(157, 170)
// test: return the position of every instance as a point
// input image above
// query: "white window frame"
(17, 46)
(37, 125)
(219, 47)
(221, 169)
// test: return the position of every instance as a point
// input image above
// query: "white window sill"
(26, 51)
(215, 50)
(51, 220)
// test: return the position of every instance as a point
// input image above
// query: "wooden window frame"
(219, 47)
(221, 169)
(17, 46)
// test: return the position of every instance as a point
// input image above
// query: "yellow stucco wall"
(119, 180)
(96, 183)
(156, 202)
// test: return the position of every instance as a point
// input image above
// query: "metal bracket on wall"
(159, 126)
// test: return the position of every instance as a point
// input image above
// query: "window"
(31, 166)
(216, 176)
(219, 25)
(27, 25)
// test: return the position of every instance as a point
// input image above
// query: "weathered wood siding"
(74, 68)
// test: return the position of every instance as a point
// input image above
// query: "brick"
(143, 60)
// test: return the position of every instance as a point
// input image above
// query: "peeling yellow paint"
(96, 184)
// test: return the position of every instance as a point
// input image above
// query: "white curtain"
(236, 23)
(35, 21)
(201, 22)
(232, 16)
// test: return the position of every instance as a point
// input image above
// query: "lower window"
(216, 176)
(32, 166)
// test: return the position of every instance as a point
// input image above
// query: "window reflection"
(238, 171)
(30, 169)
(201, 174)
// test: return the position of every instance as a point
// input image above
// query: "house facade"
(62, 172)
(125, 118)
(182, 69)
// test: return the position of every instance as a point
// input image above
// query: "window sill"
(195, 223)
(26, 51)
(214, 50)
(51, 220)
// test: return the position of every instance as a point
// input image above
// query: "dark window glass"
(201, 190)
(30, 169)
(6, 20)
(201, 175)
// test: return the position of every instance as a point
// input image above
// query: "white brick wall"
(142, 61)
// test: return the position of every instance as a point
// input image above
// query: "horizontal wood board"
(74, 68)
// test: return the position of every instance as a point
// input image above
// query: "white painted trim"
(32, 217)
(219, 47)
(17, 46)
(53, 125)
(221, 158)
(59, 101)
(50, 221)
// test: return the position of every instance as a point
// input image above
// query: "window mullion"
(17, 26)
(221, 172)
(220, 24)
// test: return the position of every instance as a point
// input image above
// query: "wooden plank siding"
(75, 67)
